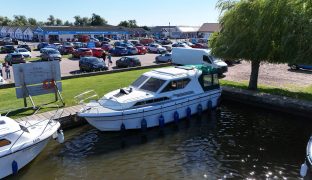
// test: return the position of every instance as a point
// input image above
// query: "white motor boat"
(306, 167)
(157, 97)
(21, 142)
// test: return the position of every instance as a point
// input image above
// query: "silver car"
(163, 58)
(51, 55)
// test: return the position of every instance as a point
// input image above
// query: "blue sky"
(146, 12)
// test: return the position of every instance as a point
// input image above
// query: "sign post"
(33, 79)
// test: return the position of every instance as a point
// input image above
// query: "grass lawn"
(293, 91)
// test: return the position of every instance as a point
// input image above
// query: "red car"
(81, 52)
(199, 46)
(141, 48)
(107, 47)
(66, 50)
(97, 52)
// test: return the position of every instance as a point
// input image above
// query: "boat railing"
(86, 96)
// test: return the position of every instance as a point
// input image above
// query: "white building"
(11, 32)
(175, 31)
(207, 29)
(28, 33)
(19, 33)
(4, 31)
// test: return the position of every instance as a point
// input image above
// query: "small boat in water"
(306, 167)
(21, 142)
(157, 97)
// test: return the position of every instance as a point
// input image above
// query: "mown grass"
(72, 87)
(304, 93)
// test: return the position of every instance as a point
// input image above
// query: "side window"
(207, 80)
(206, 59)
(175, 85)
(215, 79)
(4, 142)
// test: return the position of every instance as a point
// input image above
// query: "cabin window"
(175, 85)
(4, 142)
(215, 79)
(152, 84)
(206, 59)
(207, 80)
(151, 101)
(139, 81)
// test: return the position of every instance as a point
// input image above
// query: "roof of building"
(22, 28)
(13, 28)
(210, 27)
(188, 28)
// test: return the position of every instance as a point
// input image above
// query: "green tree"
(129, 24)
(51, 21)
(32, 21)
(81, 21)
(67, 23)
(274, 31)
(97, 20)
(58, 22)
(19, 20)
(4, 21)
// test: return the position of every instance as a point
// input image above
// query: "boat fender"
(60, 136)
(199, 108)
(143, 124)
(209, 105)
(14, 167)
(161, 121)
(188, 112)
(303, 170)
(54, 135)
(176, 117)
(122, 127)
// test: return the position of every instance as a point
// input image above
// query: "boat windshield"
(137, 83)
(152, 84)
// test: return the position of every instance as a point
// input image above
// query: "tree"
(51, 21)
(128, 24)
(19, 20)
(32, 21)
(81, 21)
(67, 23)
(97, 20)
(58, 22)
(274, 31)
(146, 28)
(4, 21)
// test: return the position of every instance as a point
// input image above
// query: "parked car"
(141, 48)
(117, 43)
(106, 39)
(42, 45)
(66, 49)
(300, 66)
(24, 46)
(125, 62)
(180, 44)
(24, 52)
(81, 52)
(163, 58)
(132, 50)
(200, 46)
(97, 52)
(78, 45)
(8, 49)
(92, 64)
(68, 44)
(51, 55)
(14, 58)
(107, 47)
(168, 47)
(156, 48)
(119, 51)
(164, 41)
(135, 42)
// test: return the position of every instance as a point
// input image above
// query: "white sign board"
(38, 78)
(36, 73)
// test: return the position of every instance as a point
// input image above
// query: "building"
(68, 33)
(207, 29)
(29, 33)
(178, 32)
(4, 31)
(11, 31)
(19, 33)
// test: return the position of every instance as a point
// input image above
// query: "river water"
(235, 141)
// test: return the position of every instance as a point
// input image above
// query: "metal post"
(169, 30)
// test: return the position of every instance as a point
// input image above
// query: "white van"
(189, 56)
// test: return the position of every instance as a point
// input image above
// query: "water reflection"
(232, 142)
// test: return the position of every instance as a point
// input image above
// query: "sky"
(145, 12)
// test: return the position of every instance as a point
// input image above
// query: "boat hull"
(21, 157)
(132, 119)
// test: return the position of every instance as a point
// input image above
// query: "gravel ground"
(279, 75)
